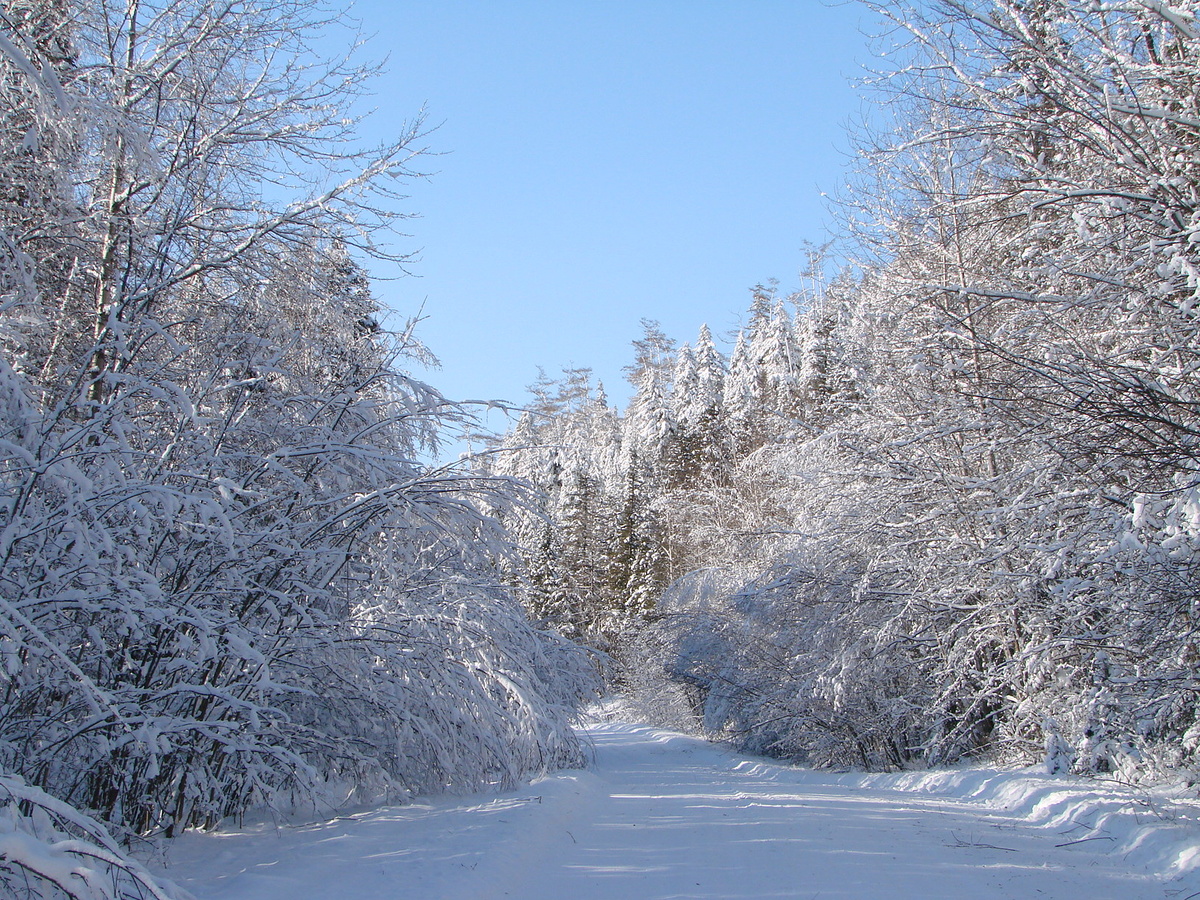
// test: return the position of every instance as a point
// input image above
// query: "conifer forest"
(940, 505)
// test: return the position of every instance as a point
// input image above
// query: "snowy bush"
(50, 851)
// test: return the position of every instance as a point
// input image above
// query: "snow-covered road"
(664, 816)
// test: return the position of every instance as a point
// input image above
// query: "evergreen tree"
(637, 567)
(649, 425)
(775, 361)
(738, 399)
(710, 376)
(684, 383)
(700, 452)
(585, 520)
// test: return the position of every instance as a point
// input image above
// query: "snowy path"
(664, 816)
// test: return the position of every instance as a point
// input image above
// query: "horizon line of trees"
(609, 537)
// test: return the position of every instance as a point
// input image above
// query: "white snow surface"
(663, 816)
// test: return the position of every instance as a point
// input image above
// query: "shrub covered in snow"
(50, 851)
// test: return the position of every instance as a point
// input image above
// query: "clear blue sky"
(607, 161)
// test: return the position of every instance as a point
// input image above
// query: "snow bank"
(49, 850)
(1157, 829)
(1153, 828)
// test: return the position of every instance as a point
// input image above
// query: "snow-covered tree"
(220, 545)
(737, 396)
(1021, 381)
(653, 350)
(649, 425)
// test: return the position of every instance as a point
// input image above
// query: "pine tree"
(700, 451)
(584, 519)
(684, 383)
(637, 558)
(775, 359)
(738, 399)
(710, 375)
(649, 425)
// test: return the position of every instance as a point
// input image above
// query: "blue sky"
(601, 162)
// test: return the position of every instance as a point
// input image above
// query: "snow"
(662, 816)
